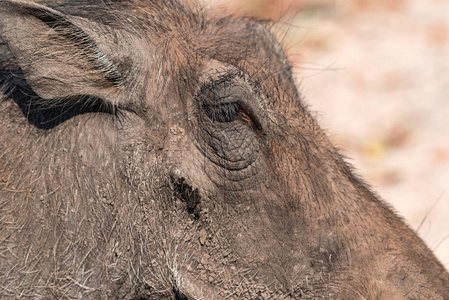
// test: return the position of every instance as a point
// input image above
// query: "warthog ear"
(62, 56)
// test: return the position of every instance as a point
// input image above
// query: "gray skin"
(153, 151)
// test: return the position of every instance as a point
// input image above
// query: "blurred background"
(377, 75)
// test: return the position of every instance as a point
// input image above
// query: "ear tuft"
(58, 58)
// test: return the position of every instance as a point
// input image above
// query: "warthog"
(149, 150)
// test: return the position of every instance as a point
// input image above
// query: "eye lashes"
(228, 98)
(223, 112)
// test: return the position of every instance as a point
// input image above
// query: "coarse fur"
(150, 150)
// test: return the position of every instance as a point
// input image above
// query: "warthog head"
(153, 151)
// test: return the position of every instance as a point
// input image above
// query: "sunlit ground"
(377, 74)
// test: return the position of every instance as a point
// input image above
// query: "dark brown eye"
(225, 112)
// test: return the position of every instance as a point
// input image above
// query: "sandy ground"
(377, 74)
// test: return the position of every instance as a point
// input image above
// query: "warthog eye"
(227, 99)
(225, 112)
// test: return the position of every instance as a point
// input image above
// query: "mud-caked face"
(151, 151)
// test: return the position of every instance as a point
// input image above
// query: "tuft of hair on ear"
(61, 57)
